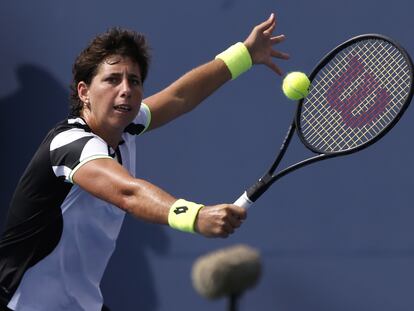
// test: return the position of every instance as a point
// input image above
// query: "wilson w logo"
(357, 95)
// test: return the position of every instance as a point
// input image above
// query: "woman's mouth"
(123, 108)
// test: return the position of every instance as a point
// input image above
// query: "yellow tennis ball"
(296, 85)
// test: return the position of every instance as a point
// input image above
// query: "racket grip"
(243, 201)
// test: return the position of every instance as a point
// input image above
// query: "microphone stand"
(233, 301)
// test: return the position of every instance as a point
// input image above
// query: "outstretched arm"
(192, 88)
(108, 180)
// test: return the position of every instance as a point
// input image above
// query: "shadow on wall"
(40, 102)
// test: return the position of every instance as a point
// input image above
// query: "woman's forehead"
(118, 62)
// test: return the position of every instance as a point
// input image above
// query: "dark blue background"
(338, 235)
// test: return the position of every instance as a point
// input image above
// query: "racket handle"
(243, 201)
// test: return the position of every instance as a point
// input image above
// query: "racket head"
(358, 92)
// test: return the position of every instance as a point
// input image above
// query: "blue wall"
(334, 236)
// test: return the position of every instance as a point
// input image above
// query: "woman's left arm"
(193, 87)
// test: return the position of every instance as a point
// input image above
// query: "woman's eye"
(112, 80)
(136, 82)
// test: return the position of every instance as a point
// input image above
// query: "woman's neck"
(110, 135)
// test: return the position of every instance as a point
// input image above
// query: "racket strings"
(320, 117)
(350, 90)
(338, 119)
(355, 96)
(327, 119)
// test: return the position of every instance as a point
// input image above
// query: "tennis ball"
(296, 85)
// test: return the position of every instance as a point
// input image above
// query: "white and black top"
(58, 238)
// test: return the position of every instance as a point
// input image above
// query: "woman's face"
(113, 98)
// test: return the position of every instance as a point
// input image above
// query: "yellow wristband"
(237, 59)
(182, 215)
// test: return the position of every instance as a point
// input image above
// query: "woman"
(69, 205)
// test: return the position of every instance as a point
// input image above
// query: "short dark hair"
(115, 41)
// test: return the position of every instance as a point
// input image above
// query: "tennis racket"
(358, 92)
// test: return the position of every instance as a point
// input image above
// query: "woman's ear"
(83, 92)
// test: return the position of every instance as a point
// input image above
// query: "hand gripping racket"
(358, 92)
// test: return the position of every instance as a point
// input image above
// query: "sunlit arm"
(192, 88)
(109, 181)
(187, 92)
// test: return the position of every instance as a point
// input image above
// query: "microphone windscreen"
(226, 271)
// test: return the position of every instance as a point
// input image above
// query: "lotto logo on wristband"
(182, 215)
(180, 210)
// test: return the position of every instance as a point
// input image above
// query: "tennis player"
(69, 205)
